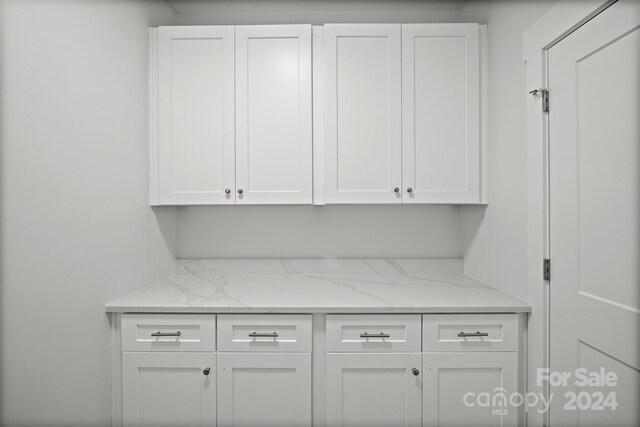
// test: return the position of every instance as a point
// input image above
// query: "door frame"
(558, 22)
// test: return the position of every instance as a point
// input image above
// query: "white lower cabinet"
(168, 389)
(372, 370)
(369, 389)
(469, 389)
(264, 389)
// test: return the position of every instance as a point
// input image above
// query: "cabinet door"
(461, 389)
(264, 389)
(273, 114)
(441, 113)
(362, 113)
(373, 390)
(195, 115)
(168, 389)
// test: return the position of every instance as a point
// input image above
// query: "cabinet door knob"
(415, 371)
(396, 190)
(409, 190)
(206, 371)
(240, 191)
(227, 191)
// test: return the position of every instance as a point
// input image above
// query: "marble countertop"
(318, 286)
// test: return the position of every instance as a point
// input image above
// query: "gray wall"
(329, 231)
(494, 237)
(77, 231)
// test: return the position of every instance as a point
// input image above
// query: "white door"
(273, 114)
(375, 390)
(168, 389)
(455, 383)
(440, 113)
(196, 115)
(264, 389)
(362, 113)
(594, 143)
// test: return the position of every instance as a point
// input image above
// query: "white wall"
(239, 12)
(311, 231)
(494, 238)
(320, 232)
(76, 227)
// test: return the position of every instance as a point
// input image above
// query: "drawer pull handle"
(380, 335)
(166, 334)
(473, 334)
(263, 335)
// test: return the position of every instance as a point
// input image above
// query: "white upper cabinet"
(233, 115)
(195, 141)
(397, 114)
(362, 119)
(440, 113)
(273, 114)
(402, 113)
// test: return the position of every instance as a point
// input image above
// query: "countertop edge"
(319, 310)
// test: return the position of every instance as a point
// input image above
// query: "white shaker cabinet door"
(168, 389)
(195, 115)
(264, 389)
(441, 113)
(362, 113)
(470, 389)
(273, 114)
(374, 389)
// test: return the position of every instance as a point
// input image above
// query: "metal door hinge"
(544, 95)
(546, 269)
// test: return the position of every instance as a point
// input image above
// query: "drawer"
(470, 332)
(264, 332)
(168, 332)
(380, 333)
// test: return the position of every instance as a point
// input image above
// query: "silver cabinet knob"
(415, 371)
(227, 191)
(396, 190)
(206, 371)
(409, 190)
(240, 191)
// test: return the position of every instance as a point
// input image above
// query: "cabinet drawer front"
(264, 332)
(377, 333)
(470, 332)
(168, 332)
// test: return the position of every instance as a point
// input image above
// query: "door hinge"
(546, 269)
(544, 96)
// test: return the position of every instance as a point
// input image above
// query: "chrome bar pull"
(166, 334)
(473, 334)
(380, 335)
(263, 335)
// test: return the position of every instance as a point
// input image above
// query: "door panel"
(441, 113)
(168, 389)
(195, 115)
(262, 389)
(594, 210)
(449, 377)
(362, 113)
(373, 390)
(273, 114)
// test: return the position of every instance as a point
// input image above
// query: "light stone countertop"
(318, 286)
